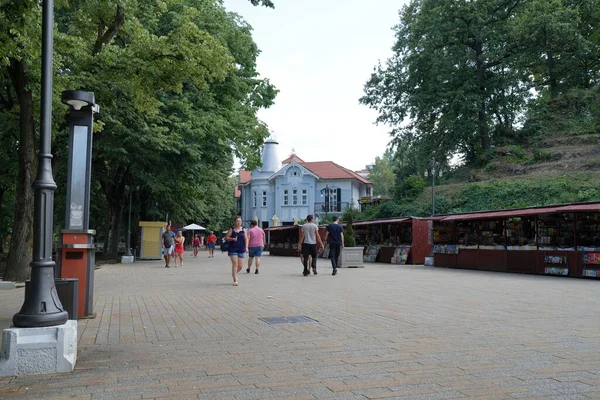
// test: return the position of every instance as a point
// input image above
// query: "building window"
(264, 198)
(304, 197)
(295, 197)
(368, 191)
(253, 199)
(285, 197)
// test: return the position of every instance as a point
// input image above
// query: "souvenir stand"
(555, 240)
(397, 240)
(283, 240)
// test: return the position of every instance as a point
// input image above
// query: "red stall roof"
(381, 221)
(579, 207)
(524, 212)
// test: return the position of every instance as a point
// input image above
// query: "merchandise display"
(556, 265)
(556, 231)
(371, 253)
(400, 255)
(466, 234)
(492, 235)
(588, 231)
(520, 233)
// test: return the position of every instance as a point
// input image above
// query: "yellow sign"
(365, 199)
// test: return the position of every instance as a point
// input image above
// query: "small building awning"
(382, 221)
(282, 228)
(590, 207)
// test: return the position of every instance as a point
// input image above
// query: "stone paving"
(394, 332)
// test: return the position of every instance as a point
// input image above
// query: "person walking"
(335, 233)
(257, 241)
(179, 241)
(238, 243)
(168, 238)
(309, 243)
(196, 245)
(211, 243)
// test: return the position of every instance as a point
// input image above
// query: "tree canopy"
(178, 91)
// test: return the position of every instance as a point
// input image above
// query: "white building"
(285, 193)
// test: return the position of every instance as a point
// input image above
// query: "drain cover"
(294, 319)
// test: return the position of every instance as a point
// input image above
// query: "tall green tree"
(128, 53)
(448, 85)
(382, 175)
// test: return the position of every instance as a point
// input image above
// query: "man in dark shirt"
(335, 233)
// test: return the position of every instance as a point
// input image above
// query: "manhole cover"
(294, 319)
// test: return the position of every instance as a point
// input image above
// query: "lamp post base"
(127, 259)
(31, 351)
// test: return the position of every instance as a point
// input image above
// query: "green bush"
(410, 188)
(348, 219)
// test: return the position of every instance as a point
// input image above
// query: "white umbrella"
(193, 227)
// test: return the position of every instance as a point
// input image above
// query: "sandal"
(235, 283)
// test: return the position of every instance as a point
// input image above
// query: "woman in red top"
(196, 244)
(179, 240)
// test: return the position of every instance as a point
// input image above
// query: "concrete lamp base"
(31, 351)
(127, 259)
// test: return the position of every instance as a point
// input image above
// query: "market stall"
(554, 240)
(283, 240)
(402, 240)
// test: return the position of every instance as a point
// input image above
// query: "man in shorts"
(168, 239)
(211, 243)
(308, 243)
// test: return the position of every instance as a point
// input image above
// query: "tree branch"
(111, 31)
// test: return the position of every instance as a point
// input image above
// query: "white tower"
(270, 157)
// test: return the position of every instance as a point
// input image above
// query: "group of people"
(173, 246)
(310, 243)
(253, 241)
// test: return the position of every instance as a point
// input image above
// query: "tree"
(348, 218)
(129, 54)
(448, 83)
(382, 175)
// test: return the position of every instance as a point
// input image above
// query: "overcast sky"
(319, 54)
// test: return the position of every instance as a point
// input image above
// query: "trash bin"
(67, 289)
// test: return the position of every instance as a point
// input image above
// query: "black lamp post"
(128, 250)
(435, 168)
(42, 306)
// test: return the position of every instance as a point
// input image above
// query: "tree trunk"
(20, 251)
(2, 234)
(484, 134)
(552, 81)
(115, 212)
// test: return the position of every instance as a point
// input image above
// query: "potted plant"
(351, 255)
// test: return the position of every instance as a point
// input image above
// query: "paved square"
(404, 332)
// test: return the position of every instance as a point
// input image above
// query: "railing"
(331, 207)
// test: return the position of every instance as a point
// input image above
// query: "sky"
(319, 54)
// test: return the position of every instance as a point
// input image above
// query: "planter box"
(351, 257)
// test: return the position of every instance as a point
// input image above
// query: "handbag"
(224, 245)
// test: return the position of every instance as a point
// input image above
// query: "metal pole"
(42, 306)
(128, 250)
(433, 187)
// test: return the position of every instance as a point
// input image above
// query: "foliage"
(179, 92)
(463, 72)
(382, 175)
(410, 188)
(348, 218)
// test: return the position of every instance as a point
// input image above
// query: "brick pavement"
(390, 332)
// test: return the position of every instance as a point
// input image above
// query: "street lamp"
(435, 168)
(326, 192)
(128, 257)
(42, 306)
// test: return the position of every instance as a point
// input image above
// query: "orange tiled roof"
(245, 176)
(331, 170)
(291, 158)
